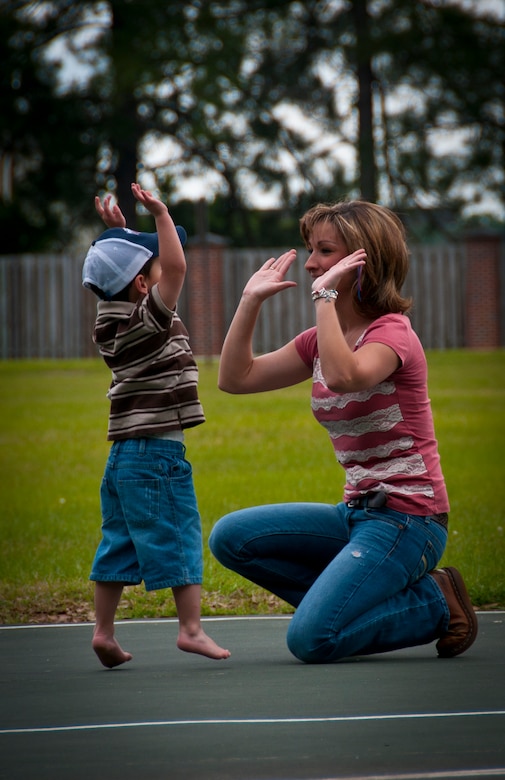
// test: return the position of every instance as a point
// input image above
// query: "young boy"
(150, 520)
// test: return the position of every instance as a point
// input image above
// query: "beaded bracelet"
(327, 295)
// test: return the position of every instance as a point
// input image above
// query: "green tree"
(448, 62)
(48, 140)
(310, 101)
(394, 80)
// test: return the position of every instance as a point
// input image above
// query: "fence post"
(205, 309)
(482, 289)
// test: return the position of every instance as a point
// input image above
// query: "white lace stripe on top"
(382, 451)
(378, 420)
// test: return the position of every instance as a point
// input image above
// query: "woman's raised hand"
(331, 278)
(269, 279)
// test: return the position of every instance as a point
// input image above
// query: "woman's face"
(326, 249)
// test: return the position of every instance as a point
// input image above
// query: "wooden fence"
(436, 282)
(45, 312)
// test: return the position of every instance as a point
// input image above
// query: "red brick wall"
(482, 315)
(205, 296)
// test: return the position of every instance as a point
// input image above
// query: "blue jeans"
(151, 528)
(357, 577)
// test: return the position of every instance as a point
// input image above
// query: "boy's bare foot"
(109, 651)
(200, 643)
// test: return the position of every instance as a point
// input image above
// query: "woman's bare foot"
(109, 651)
(199, 642)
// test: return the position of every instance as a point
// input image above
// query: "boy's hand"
(112, 216)
(154, 206)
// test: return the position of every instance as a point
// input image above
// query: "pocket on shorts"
(176, 468)
(140, 499)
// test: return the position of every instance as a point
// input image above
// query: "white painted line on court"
(454, 775)
(499, 614)
(255, 721)
(205, 619)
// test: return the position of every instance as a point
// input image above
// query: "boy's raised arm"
(171, 253)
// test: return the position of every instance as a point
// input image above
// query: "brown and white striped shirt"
(154, 386)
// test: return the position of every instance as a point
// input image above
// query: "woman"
(361, 574)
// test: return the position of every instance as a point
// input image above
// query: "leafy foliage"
(301, 101)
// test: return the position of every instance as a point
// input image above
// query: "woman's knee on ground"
(307, 644)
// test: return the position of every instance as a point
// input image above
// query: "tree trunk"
(366, 149)
(125, 130)
(126, 168)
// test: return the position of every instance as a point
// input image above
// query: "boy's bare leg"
(105, 644)
(192, 638)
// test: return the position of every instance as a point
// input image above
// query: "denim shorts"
(151, 529)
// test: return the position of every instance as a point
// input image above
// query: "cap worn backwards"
(117, 256)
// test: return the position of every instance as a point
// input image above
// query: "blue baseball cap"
(116, 257)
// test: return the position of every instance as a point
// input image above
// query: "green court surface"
(261, 715)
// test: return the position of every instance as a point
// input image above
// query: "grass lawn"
(251, 450)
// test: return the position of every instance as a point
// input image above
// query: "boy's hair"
(116, 257)
(377, 230)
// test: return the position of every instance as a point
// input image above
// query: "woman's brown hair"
(377, 230)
